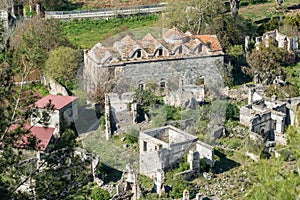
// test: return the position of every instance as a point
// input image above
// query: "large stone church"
(170, 60)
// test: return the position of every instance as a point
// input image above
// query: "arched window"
(180, 50)
(159, 52)
(199, 48)
(162, 84)
(141, 85)
(138, 53)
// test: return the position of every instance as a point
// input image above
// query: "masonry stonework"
(173, 60)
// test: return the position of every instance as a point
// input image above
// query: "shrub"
(232, 112)
(102, 122)
(131, 136)
(99, 193)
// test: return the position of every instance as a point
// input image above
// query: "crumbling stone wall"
(54, 87)
(157, 154)
(206, 152)
(120, 112)
(262, 124)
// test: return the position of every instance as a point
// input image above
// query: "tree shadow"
(223, 164)
(108, 173)
(87, 120)
(240, 78)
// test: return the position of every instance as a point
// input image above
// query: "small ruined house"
(268, 116)
(163, 147)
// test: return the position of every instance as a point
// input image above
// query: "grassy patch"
(88, 32)
(265, 10)
(112, 155)
(293, 75)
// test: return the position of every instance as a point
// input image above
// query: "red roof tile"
(58, 101)
(212, 39)
(174, 34)
(42, 134)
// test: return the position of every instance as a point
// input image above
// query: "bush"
(99, 193)
(232, 112)
(145, 182)
(102, 122)
(131, 136)
(179, 185)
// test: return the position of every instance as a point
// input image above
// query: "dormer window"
(180, 50)
(199, 48)
(162, 84)
(159, 52)
(138, 53)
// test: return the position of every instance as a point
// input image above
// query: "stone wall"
(120, 112)
(246, 115)
(172, 72)
(4, 18)
(206, 152)
(262, 124)
(157, 154)
(54, 87)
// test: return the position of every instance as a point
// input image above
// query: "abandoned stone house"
(268, 116)
(290, 43)
(162, 148)
(174, 58)
(57, 111)
(120, 112)
(187, 96)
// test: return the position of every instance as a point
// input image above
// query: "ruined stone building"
(171, 60)
(290, 43)
(128, 187)
(268, 116)
(161, 148)
(120, 112)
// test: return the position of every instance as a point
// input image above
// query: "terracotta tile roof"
(149, 43)
(192, 44)
(174, 34)
(42, 134)
(58, 101)
(212, 39)
(125, 48)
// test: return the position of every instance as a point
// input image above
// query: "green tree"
(208, 17)
(232, 112)
(266, 63)
(293, 20)
(230, 30)
(57, 175)
(63, 64)
(178, 185)
(99, 193)
(33, 40)
(192, 15)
